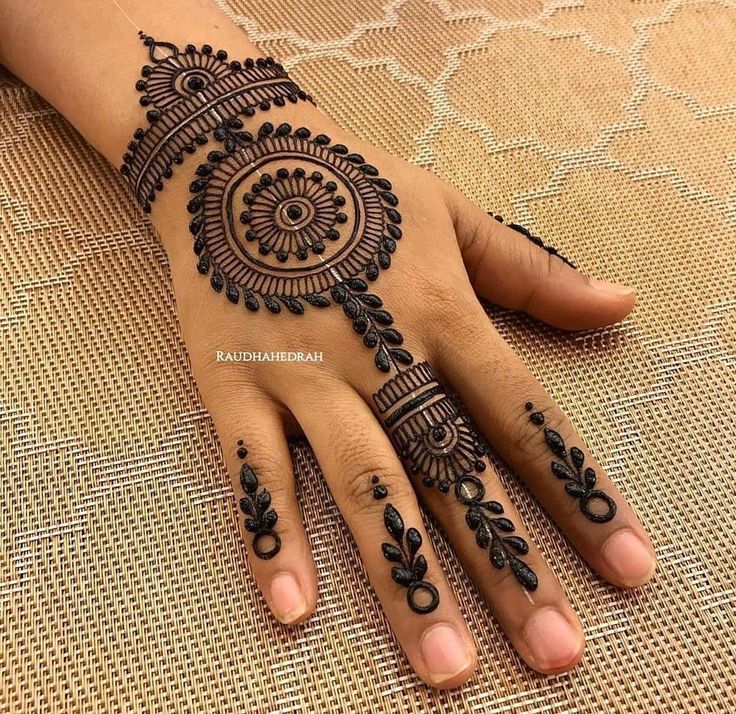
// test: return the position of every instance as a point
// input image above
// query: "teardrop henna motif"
(534, 239)
(570, 467)
(260, 518)
(410, 566)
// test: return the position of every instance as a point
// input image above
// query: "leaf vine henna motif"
(411, 567)
(439, 444)
(534, 239)
(570, 467)
(187, 93)
(260, 518)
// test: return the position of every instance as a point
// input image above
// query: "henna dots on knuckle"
(260, 518)
(410, 566)
(569, 466)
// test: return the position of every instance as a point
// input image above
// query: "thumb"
(513, 268)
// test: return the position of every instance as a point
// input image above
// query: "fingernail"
(611, 288)
(287, 599)
(629, 558)
(552, 639)
(445, 653)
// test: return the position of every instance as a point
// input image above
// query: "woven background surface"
(608, 127)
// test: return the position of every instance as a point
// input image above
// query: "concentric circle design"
(181, 75)
(294, 215)
(287, 216)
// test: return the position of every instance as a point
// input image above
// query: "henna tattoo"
(260, 518)
(534, 239)
(439, 443)
(268, 226)
(570, 467)
(186, 94)
(285, 219)
(411, 567)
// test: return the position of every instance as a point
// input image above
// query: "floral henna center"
(570, 467)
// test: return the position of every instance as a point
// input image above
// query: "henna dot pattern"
(186, 94)
(410, 566)
(570, 467)
(440, 445)
(260, 518)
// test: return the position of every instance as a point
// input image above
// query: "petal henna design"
(410, 566)
(570, 467)
(534, 239)
(260, 518)
(439, 443)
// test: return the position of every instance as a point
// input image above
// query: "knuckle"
(438, 294)
(357, 486)
(527, 438)
(270, 470)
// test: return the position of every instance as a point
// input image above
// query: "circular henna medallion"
(178, 75)
(289, 216)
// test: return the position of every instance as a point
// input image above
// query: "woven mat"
(610, 128)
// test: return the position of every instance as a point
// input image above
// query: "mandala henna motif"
(570, 467)
(187, 93)
(410, 566)
(285, 219)
(260, 518)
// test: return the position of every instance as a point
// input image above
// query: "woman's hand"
(307, 239)
(421, 309)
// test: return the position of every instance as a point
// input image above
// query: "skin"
(451, 252)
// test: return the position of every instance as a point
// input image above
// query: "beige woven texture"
(610, 128)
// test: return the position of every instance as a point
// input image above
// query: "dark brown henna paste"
(534, 239)
(260, 518)
(187, 94)
(285, 219)
(439, 444)
(268, 228)
(411, 567)
(570, 467)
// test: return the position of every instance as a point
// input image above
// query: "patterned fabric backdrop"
(607, 126)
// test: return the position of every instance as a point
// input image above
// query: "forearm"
(89, 73)
(84, 57)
